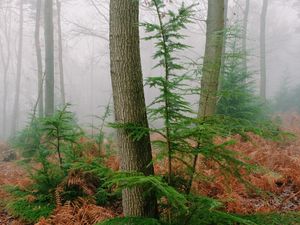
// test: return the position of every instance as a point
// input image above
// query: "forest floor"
(10, 174)
(280, 162)
(281, 176)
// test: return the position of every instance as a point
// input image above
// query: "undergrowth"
(24, 204)
(48, 147)
(288, 218)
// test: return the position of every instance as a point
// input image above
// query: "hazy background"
(86, 50)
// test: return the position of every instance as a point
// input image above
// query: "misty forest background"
(149, 112)
(87, 75)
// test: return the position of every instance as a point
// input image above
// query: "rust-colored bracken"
(280, 177)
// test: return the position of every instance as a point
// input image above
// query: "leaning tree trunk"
(15, 117)
(244, 38)
(129, 102)
(60, 54)
(212, 58)
(49, 58)
(263, 72)
(39, 58)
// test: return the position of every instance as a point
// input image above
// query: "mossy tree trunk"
(129, 102)
(212, 58)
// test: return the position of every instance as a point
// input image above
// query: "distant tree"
(263, 72)
(5, 53)
(129, 102)
(237, 97)
(245, 29)
(212, 58)
(224, 41)
(39, 58)
(49, 57)
(16, 109)
(60, 54)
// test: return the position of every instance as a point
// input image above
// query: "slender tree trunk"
(263, 72)
(129, 102)
(212, 58)
(5, 62)
(60, 54)
(49, 58)
(5, 59)
(39, 58)
(222, 69)
(5, 89)
(15, 117)
(245, 29)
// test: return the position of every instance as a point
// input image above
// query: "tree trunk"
(129, 102)
(49, 58)
(15, 117)
(5, 59)
(5, 63)
(244, 38)
(212, 58)
(60, 54)
(213, 65)
(39, 58)
(222, 69)
(263, 72)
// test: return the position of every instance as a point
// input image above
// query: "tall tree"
(60, 54)
(49, 57)
(5, 49)
(129, 102)
(224, 42)
(213, 65)
(263, 71)
(39, 58)
(245, 29)
(15, 117)
(212, 57)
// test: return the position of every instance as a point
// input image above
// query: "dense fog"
(85, 45)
